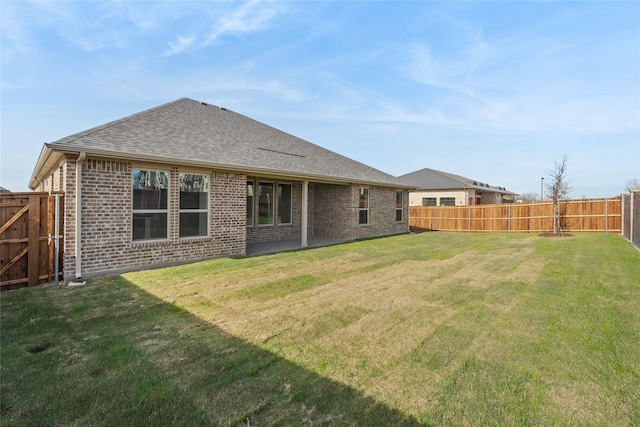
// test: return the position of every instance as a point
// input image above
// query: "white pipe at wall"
(305, 214)
(78, 233)
(56, 242)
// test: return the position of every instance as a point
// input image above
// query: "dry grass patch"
(367, 318)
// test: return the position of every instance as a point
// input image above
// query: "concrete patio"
(260, 248)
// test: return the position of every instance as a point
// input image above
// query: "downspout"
(78, 231)
(56, 242)
(305, 214)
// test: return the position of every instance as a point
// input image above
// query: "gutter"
(130, 157)
(78, 227)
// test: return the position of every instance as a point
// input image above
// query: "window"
(284, 203)
(398, 206)
(265, 203)
(447, 201)
(194, 205)
(150, 204)
(429, 201)
(364, 206)
(249, 202)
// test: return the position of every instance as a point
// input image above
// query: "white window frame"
(206, 210)
(401, 208)
(166, 210)
(447, 199)
(365, 209)
(433, 199)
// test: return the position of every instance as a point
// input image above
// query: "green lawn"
(421, 329)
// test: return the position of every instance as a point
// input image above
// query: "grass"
(420, 329)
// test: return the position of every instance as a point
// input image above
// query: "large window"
(284, 203)
(265, 203)
(398, 205)
(447, 201)
(429, 201)
(150, 204)
(250, 202)
(364, 206)
(194, 205)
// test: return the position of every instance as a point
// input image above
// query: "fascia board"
(250, 170)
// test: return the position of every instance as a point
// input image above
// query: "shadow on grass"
(112, 354)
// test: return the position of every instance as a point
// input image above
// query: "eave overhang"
(52, 154)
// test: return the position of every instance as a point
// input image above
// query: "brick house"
(437, 188)
(188, 181)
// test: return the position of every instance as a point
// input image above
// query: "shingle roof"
(189, 132)
(431, 179)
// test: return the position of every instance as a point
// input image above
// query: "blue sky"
(494, 91)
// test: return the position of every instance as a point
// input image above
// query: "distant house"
(436, 188)
(4, 190)
(187, 181)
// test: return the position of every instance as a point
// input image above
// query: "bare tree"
(632, 184)
(529, 197)
(558, 188)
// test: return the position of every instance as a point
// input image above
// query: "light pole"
(541, 182)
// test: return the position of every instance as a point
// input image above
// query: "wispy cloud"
(18, 39)
(179, 45)
(251, 16)
(518, 83)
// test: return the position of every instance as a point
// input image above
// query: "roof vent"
(475, 183)
(223, 109)
(204, 103)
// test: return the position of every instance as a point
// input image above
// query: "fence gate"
(31, 239)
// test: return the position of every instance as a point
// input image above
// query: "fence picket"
(602, 215)
(26, 223)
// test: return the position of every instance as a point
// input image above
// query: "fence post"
(622, 214)
(435, 217)
(606, 215)
(469, 219)
(632, 215)
(509, 218)
(33, 255)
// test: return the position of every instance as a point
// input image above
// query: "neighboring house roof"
(431, 179)
(4, 190)
(188, 132)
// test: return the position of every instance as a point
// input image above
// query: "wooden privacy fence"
(631, 217)
(576, 215)
(28, 231)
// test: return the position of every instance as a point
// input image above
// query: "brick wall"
(55, 181)
(106, 219)
(107, 244)
(336, 212)
(228, 212)
(333, 210)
